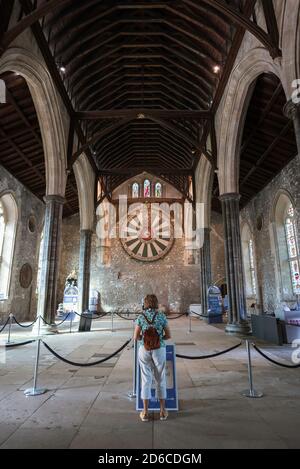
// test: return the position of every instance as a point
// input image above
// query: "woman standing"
(152, 329)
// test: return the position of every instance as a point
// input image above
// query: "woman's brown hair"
(150, 301)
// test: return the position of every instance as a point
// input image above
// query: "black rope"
(84, 364)
(4, 325)
(207, 315)
(19, 343)
(209, 356)
(46, 322)
(127, 319)
(61, 322)
(86, 316)
(22, 325)
(176, 317)
(274, 361)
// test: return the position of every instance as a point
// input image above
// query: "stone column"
(205, 266)
(292, 111)
(233, 263)
(84, 273)
(47, 301)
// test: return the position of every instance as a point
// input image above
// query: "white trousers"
(153, 362)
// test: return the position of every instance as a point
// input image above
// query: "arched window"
(249, 262)
(287, 252)
(158, 189)
(8, 226)
(135, 190)
(147, 188)
(292, 248)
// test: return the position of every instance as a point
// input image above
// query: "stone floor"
(89, 408)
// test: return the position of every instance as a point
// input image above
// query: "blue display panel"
(172, 395)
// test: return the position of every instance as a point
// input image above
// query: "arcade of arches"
(150, 147)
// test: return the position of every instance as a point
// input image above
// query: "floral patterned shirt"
(160, 323)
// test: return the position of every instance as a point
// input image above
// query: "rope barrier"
(84, 364)
(5, 324)
(126, 319)
(271, 359)
(60, 323)
(22, 325)
(19, 343)
(86, 316)
(210, 355)
(137, 314)
(208, 315)
(178, 316)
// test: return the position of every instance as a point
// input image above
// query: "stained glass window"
(135, 190)
(291, 239)
(252, 266)
(2, 228)
(147, 188)
(158, 189)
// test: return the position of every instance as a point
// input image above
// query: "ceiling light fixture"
(216, 69)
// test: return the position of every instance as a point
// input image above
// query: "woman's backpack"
(150, 335)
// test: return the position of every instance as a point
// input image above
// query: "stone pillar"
(84, 272)
(205, 266)
(234, 264)
(292, 111)
(47, 301)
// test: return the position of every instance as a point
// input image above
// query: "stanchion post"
(251, 392)
(190, 323)
(71, 323)
(9, 329)
(112, 321)
(39, 325)
(36, 391)
(132, 394)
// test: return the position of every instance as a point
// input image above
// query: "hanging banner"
(172, 396)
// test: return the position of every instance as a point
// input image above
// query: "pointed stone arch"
(235, 102)
(48, 109)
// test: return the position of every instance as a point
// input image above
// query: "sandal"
(164, 415)
(144, 417)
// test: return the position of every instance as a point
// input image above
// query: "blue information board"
(214, 305)
(172, 396)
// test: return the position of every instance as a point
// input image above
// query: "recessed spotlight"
(193, 151)
(62, 69)
(216, 68)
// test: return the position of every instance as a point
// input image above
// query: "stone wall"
(22, 301)
(123, 282)
(269, 295)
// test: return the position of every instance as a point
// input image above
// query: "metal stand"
(132, 394)
(190, 323)
(9, 329)
(112, 322)
(251, 392)
(71, 323)
(35, 391)
(39, 325)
